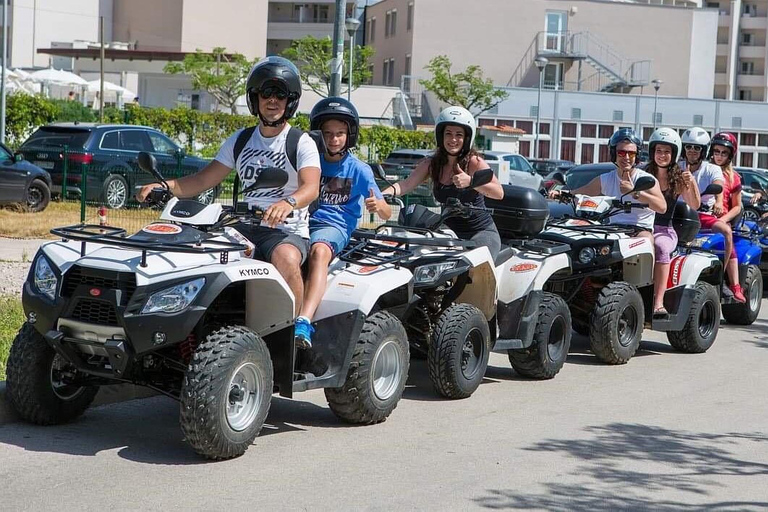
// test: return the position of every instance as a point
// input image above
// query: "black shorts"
(267, 239)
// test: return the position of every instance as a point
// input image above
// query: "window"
(747, 159)
(750, 10)
(568, 150)
(407, 63)
(589, 130)
(391, 75)
(321, 13)
(618, 115)
(736, 122)
(745, 94)
(587, 153)
(387, 20)
(747, 67)
(134, 140)
(698, 119)
(762, 160)
(409, 25)
(658, 118)
(161, 143)
(762, 140)
(569, 130)
(605, 153)
(543, 149)
(605, 131)
(526, 126)
(372, 30)
(506, 122)
(5, 155)
(575, 113)
(534, 111)
(393, 28)
(385, 72)
(485, 122)
(747, 139)
(390, 24)
(110, 141)
(544, 129)
(370, 74)
(525, 147)
(647, 131)
(746, 39)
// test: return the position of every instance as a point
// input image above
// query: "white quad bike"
(181, 308)
(610, 288)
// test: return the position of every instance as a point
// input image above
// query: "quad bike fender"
(516, 322)
(638, 256)
(358, 288)
(687, 269)
(527, 272)
(480, 290)
(748, 253)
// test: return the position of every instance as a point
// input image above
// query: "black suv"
(107, 153)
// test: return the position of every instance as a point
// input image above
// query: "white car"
(521, 172)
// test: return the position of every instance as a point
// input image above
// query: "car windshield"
(517, 163)
(57, 137)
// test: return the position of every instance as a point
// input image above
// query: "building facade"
(289, 20)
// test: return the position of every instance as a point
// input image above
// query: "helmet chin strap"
(337, 153)
(264, 121)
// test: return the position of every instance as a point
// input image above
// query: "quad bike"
(179, 307)
(749, 252)
(610, 289)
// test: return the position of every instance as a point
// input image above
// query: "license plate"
(43, 165)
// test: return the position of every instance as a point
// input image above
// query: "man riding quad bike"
(181, 308)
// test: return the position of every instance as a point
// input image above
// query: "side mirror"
(148, 163)
(480, 178)
(644, 183)
(179, 153)
(559, 177)
(712, 189)
(269, 177)
(757, 186)
(18, 157)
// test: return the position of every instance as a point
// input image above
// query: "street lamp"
(656, 85)
(541, 63)
(352, 25)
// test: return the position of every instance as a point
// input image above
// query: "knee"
(287, 259)
(320, 253)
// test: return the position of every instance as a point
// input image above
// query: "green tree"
(221, 75)
(313, 57)
(467, 89)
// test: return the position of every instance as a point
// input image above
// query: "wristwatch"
(291, 201)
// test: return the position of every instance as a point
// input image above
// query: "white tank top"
(641, 217)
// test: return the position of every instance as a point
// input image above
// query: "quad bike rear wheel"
(226, 392)
(377, 373)
(746, 314)
(703, 322)
(42, 387)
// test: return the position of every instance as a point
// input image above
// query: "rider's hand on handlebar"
(144, 192)
(756, 198)
(277, 213)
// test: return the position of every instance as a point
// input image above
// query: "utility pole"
(101, 70)
(338, 48)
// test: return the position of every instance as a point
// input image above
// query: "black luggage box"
(522, 213)
(686, 222)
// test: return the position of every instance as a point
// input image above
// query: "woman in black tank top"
(451, 168)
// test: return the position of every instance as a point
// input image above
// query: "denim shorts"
(329, 235)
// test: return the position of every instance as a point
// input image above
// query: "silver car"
(521, 172)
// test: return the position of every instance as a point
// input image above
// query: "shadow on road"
(148, 430)
(688, 462)
(581, 352)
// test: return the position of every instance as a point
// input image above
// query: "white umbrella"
(57, 76)
(109, 87)
(21, 73)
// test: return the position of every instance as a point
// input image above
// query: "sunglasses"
(691, 147)
(269, 92)
(721, 152)
(623, 153)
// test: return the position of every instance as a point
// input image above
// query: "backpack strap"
(292, 146)
(241, 141)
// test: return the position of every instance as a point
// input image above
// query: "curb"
(107, 395)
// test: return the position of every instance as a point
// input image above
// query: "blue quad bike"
(749, 251)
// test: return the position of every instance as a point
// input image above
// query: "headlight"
(45, 279)
(699, 242)
(586, 255)
(426, 274)
(175, 298)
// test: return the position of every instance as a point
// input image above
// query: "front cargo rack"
(116, 237)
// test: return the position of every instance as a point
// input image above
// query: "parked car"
(545, 167)
(407, 157)
(521, 172)
(109, 151)
(748, 176)
(579, 175)
(22, 182)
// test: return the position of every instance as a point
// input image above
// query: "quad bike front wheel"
(616, 323)
(703, 322)
(226, 392)
(42, 387)
(746, 314)
(377, 373)
(458, 354)
(551, 341)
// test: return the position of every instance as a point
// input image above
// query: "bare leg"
(724, 229)
(319, 258)
(660, 275)
(732, 271)
(287, 260)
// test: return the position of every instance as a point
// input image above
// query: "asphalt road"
(666, 432)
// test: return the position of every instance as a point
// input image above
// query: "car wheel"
(207, 196)
(751, 214)
(115, 191)
(38, 196)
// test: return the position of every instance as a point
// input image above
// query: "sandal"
(660, 312)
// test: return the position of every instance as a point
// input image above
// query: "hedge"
(200, 133)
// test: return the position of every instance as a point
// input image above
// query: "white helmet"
(697, 136)
(666, 136)
(458, 116)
